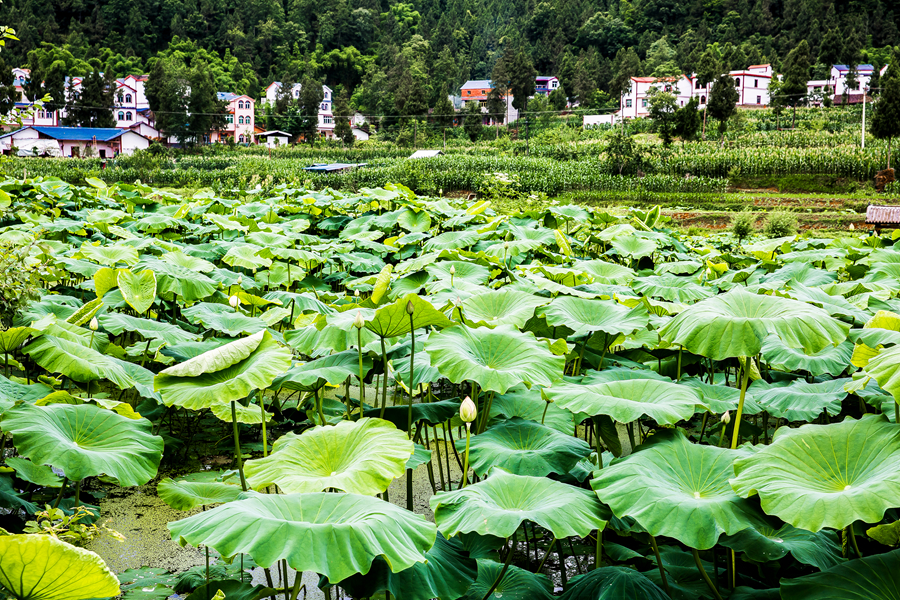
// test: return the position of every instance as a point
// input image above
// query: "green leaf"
(231, 590)
(414, 220)
(41, 567)
(188, 285)
(625, 401)
(499, 504)
(672, 288)
(872, 578)
(735, 324)
(41, 475)
(524, 448)
(819, 476)
(248, 415)
(585, 316)
(833, 360)
(799, 400)
(764, 542)
(227, 373)
(224, 319)
(392, 320)
(496, 359)
(116, 323)
(528, 404)
(447, 573)
(104, 280)
(432, 413)
(501, 307)
(675, 488)
(76, 362)
(517, 583)
(138, 289)
(887, 534)
(613, 583)
(360, 457)
(85, 313)
(329, 370)
(336, 535)
(885, 369)
(188, 495)
(85, 441)
(382, 283)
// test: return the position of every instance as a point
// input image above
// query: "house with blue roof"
(97, 142)
(837, 81)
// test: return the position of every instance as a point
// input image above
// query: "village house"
(239, 119)
(545, 84)
(635, 103)
(326, 117)
(98, 142)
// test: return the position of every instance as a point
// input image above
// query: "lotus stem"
(896, 412)
(62, 490)
(412, 358)
(544, 416)
(598, 551)
(745, 378)
(207, 565)
(319, 407)
(561, 555)
(287, 590)
(237, 448)
(705, 575)
(502, 573)
(384, 383)
(298, 587)
(605, 348)
(262, 413)
(853, 540)
(679, 365)
(362, 385)
(437, 450)
(577, 368)
(549, 548)
(77, 493)
(703, 427)
(659, 563)
(466, 462)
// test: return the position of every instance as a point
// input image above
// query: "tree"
(629, 65)
(8, 93)
(92, 104)
(622, 151)
(796, 74)
(474, 120)
(722, 102)
(558, 99)
(444, 114)
(167, 91)
(311, 96)
(687, 121)
(342, 128)
(662, 107)
(521, 80)
(709, 67)
(206, 112)
(886, 111)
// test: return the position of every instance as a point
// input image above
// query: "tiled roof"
(477, 84)
(882, 214)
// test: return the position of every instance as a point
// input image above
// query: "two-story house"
(240, 119)
(635, 103)
(132, 109)
(326, 117)
(545, 84)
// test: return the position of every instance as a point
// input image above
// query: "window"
(668, 88)
(737, 82)
(119, 97)
(324, 106)
(241, 138)
(468, 92)
(240, 120)
(643, 102)
(698, 84)
(682, 102)
(628, 103)
(702, 99)
(328, 120)
(756, 83)
(128, 116)
(230, 118)
(759, 99)
(121, 115)
(128, 98)
(240, 104)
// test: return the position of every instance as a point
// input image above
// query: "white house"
(99, 142)
(634, 102)
(273, 139)
(607, 119)
(326, 117)
(360, 134)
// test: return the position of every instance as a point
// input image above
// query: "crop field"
(597, 405)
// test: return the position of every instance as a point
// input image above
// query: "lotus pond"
(596, 405)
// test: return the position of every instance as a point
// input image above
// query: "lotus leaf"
(392, 320)
(188, 495)
(625, 401)
(799, 400)
(501, 307)
(764, 542)
(586, 316)
(613, 583)
(138, 289)
(517, 583)
(76, 362)
(336, 535)
(870, 578)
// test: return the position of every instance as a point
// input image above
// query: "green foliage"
(779, 223)
(473, 123)
(743, 225)
(20, 283)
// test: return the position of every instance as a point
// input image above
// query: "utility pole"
(863, 139)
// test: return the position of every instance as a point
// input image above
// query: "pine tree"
(796, 74)
(629, 65)
(886, 112)
(521, 80)
(311, 96)
(474, 121)
(92, 105)
(722, 102)
(167, 90)
(687, 121)
(342, 129)
(207, 112)
(444, 114)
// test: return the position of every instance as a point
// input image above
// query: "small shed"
(274, 139)
(426, 153)
(883, 217)
(333, 167)
(361, 133)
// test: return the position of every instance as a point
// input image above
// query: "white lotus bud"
(506, 245)
(240, 279)
(234, 301)
(94, 324)
(356, 293)
(726, 418)
(452, 270)
(467, 410)
(358, 322)
(410, 309)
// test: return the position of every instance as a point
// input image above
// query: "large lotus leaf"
(720, 398)
(333, 534)
(607, 272)
(501, 307)
(230, 590)
(586, 316)
(524, 448)
(885, 369)
(634, 246)
(799, 400)
(613, 583)
(227, 373)
(765, 541)
(672, 288)
(328, 370)
(223, 318)
(517, 583)
(871, 578)
(675, 488)
(432, 413)
(41, 567)
(108, 255)
(138, 289)
(392, 320)
(188, 495)
(76, 362)
(41, 475)
(116, 323)
(11, 392)
(360, 457)
(174, 279)
(499, 504)
(528, 404)
(85, 440)
(736, 323)
(665, 402)
(819, 476)
(496, 359)
(248, 256)
(249, 415)
(451, 240)
(833, 360)
(447, 573)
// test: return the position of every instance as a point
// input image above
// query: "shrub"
(780, 224)
(743, 224)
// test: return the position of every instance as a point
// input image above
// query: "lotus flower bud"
(410, 309)
(240, 279)
(356, 293)
(234, 301)
(452, 270)
(94, 324)
(506, 245)
(726, 418)
(467, 410)
(358, 322)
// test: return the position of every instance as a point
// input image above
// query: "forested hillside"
(388, 53)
